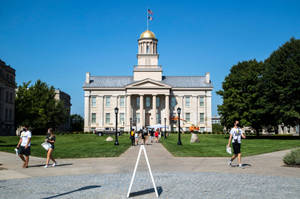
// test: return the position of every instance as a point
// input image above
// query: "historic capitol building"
(148, 97)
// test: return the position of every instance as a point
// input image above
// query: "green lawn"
(71, 146)
(214, 146)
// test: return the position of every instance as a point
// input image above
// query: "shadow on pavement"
(80, 189)
(243, 165)
(146, 191)
(41, 165)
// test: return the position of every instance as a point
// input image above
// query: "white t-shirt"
(236, 134)
(25, 135)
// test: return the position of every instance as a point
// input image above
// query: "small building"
(216, 120)
(7, 99)
(66, 99)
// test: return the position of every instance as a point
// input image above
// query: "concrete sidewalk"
(160, 159)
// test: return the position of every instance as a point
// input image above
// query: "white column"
(128, 112)
(167, 109)
(195, 109)
(154, 109)
(142, 110)
(86, 112)
(99, 112)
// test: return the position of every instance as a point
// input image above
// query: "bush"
(292, 158)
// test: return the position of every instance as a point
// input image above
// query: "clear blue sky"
(57, 41)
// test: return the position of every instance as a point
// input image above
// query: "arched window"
(147, 49)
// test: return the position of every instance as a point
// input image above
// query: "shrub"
(292, 158)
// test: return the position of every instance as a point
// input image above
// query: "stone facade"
(7, 99)
(66, 99)
(147, 98)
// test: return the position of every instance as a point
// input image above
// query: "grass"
(71, 146)
(214, 146)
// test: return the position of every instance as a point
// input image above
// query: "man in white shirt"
(236, 136)
(24, 146)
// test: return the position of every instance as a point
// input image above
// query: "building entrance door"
(147, 119)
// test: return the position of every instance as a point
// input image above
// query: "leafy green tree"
(76, 122)
(37, 107)
(217, 128)
(242, 96)
(281, 79)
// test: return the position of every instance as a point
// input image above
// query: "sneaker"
(241, 166)
(54, 164)
(229, 163)
(46, 166)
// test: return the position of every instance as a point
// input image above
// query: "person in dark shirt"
(51, 140)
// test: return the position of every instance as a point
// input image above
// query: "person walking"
(235, 138)
(146, 135)
(51, 140)
(132, 137)
(152, 135)
(23, 146)
(143, 135)
(156, 134)
(136, 136)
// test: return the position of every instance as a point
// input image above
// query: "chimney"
(207, 77)
(87, 77)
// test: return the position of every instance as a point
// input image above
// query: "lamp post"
(165, 128)
(116, 112)
(179, 139)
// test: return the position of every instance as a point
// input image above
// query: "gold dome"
(147, 35)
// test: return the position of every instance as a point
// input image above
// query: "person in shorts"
(156, 134)
(132, 138)
(136, 136)
(151, 135)
(51, 140)
(24, 146)
(235, 138)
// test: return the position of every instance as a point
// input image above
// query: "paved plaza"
(264, 176)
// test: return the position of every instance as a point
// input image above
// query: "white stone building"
(148, 97)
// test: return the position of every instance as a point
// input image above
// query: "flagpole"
(147, 19)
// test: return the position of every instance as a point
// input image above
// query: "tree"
(242, 96)
(37, 107)
(282, 85)
(76, 122)
(217, 128)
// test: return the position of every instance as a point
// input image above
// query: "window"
(188, 117)
(107, 101)
(6, 114)
(148, 102)
(93, 118)
(158, 119)
(10, 115)
(187, 101)
(6, 99)
(122, 101)
(147, 49)
(138, 102)
(93, 101)
(107, 118)
(10, 98)
(201, 101)
(202, 129)
(122, 118)
(157, 102)
(138, 119)
(173, 101)
(201, 117)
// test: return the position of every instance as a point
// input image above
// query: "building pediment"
(148, 83)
